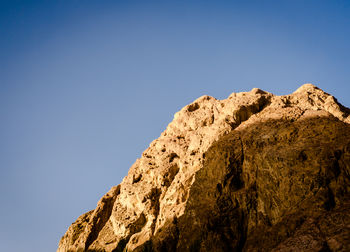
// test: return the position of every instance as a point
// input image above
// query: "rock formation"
(253, 172)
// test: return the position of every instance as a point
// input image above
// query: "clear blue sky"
(85, 86)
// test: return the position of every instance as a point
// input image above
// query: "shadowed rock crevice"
(244, 112)
(135, 227)
(101, 215)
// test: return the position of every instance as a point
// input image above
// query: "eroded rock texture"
(254, 172)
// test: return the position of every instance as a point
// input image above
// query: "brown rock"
(253, 172)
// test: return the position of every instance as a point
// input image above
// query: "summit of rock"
(307, 87)
(251, 172)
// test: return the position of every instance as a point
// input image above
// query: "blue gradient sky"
(85, 86)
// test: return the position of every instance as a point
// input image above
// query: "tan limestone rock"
(243, 173)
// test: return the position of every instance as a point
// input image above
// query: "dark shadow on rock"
(260, 184)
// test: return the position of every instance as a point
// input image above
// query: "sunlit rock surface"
(253, 172)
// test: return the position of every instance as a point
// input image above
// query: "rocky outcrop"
(253, 172)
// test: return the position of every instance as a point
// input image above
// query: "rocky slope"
(253, 172)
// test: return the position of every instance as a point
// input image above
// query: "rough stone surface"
(253, 172)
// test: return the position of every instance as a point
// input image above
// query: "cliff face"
(252, 172)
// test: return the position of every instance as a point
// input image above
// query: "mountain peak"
(231, 175)
(307, 87)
